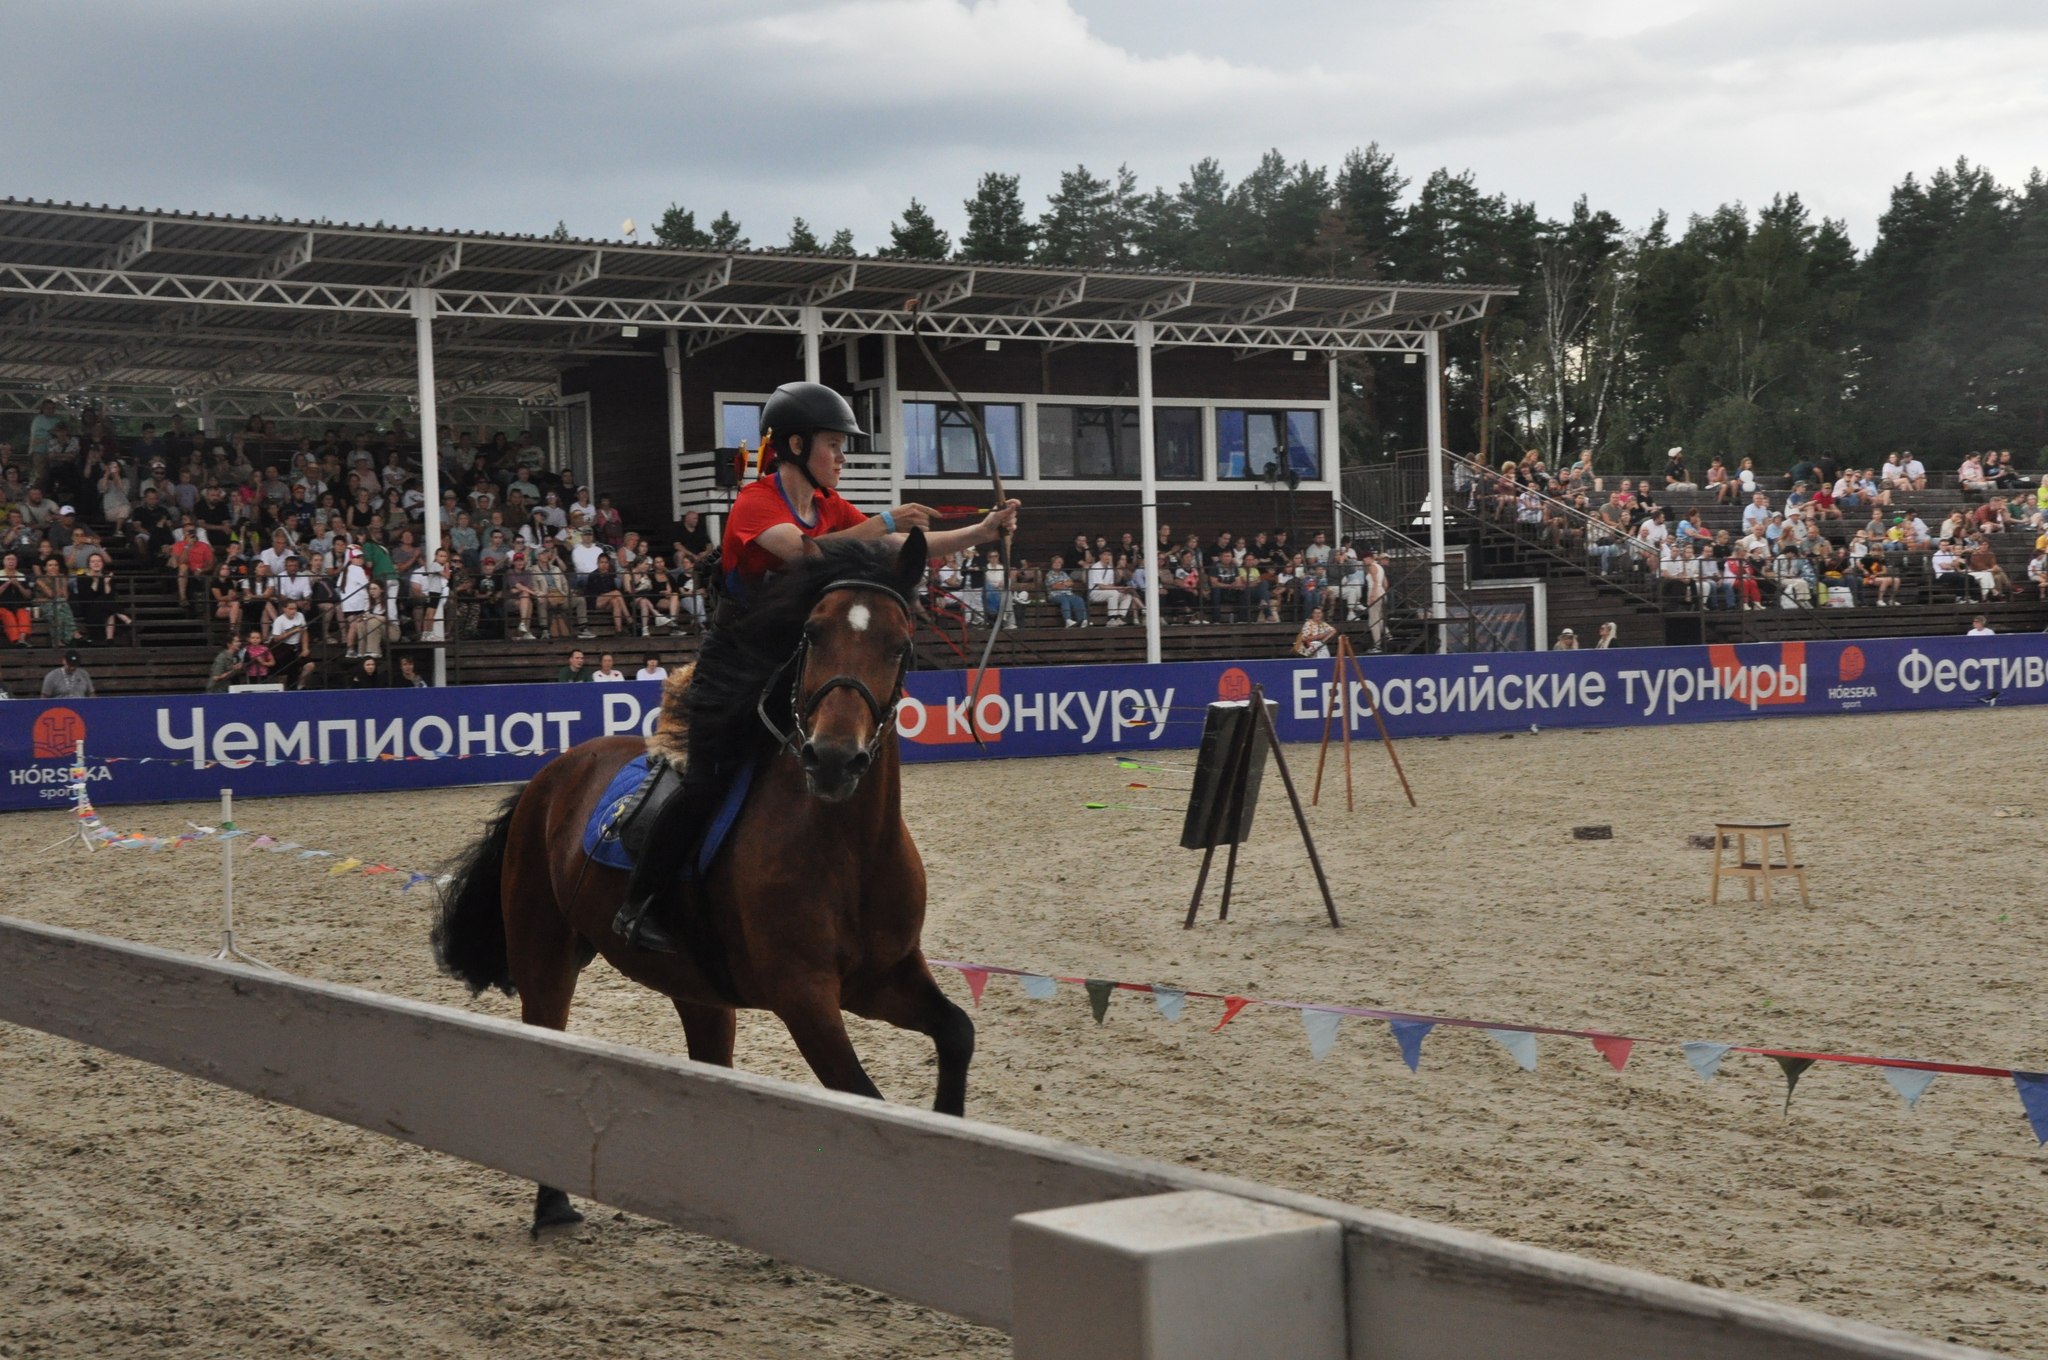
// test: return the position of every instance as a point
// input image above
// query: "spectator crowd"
(285, 545)
(1840, 536)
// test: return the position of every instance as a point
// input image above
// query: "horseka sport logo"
(57, 733)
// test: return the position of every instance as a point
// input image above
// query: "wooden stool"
(1762, 866)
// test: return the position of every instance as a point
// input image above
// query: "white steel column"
(891, 436)
(672, 360)
(430, 453)
(1149, 516)
(814, 330)
(1439, 603)
(1333, 460)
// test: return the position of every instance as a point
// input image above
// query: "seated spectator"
(1879, 579)
(408, 676)
(1984, 568)
(607, 672)
(1675, 476)
(53, 599)
(68, 681)
(288, 643)
(2037, 572)
(1912, 474)
(653, 670)
(1980, 627)
(1950, 578)
(1824, 502)
(1990, 517)
(17, 600)
(1226, 586)
(600, 591)
(1970, 476)
(1313, 641)
(575, 672)
(1060, 587)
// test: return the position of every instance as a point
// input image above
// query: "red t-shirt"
(759, 508)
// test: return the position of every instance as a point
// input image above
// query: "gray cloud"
(512, 114)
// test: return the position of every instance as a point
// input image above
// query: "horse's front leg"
(810, 1010)
(908, 998)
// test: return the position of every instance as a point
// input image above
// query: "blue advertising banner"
(190, 747)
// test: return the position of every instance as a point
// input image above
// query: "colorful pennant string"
(1909, 1077)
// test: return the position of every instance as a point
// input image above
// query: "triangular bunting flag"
(2033, 1087)
(1705, 1057)
(263, 842)
(1322, 1029)
(1231, 1006)
(1910, 1082)
(1039, 988)
(1793, 1068)
(1098, 997)
(1520, 1043)
(413, 879)
(317, 854)
(976, 979)
(1170, 1000)
(1409, 1034)
(1616, 1051)
(345, 866)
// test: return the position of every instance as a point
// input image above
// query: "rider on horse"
(779, 518)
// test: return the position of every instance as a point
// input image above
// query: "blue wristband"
(888, 523)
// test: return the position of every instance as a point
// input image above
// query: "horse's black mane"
(743, 654)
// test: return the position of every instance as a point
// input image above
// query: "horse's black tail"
(469, 936)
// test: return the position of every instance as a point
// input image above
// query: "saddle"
(641, 808)
(617, 833)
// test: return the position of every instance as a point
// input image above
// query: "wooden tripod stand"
(1226, 814)
(1338, 705)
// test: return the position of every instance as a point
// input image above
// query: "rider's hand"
(1003, 521)
(913, 516)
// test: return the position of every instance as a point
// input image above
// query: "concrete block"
(1193, 1275)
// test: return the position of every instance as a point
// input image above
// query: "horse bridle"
(803, 709)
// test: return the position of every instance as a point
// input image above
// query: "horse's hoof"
(551, 1209)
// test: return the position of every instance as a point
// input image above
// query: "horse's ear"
(911, 563)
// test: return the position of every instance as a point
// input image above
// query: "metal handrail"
(1413, 549)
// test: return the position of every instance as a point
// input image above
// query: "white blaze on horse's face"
(857, 618)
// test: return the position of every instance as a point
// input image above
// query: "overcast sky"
(510, 114)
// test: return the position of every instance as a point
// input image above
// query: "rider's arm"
(788, 542)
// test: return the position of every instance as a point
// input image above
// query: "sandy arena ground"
(147, 1212)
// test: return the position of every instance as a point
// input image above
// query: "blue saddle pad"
(605, 849)
(601, 843)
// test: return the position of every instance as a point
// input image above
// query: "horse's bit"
(802, 709)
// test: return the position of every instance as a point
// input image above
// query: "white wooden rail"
(894, 1198)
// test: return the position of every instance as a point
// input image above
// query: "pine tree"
(1091, 223)
(678, 230)
(997, 230)
(917, 236)
(802, 238)
(725, 234)
(841, 242)
(561, 231)
(1368, 193)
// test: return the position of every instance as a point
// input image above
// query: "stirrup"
(635, 924)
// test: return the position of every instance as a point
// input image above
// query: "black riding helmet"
(805, 408)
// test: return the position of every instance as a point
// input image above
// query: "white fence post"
(1192, 1275)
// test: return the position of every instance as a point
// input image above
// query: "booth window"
(938, 439)
(1177, 442)
(740, 423)
(1088, 441)
(1247, 441)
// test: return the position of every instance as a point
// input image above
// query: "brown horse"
(816, 902)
